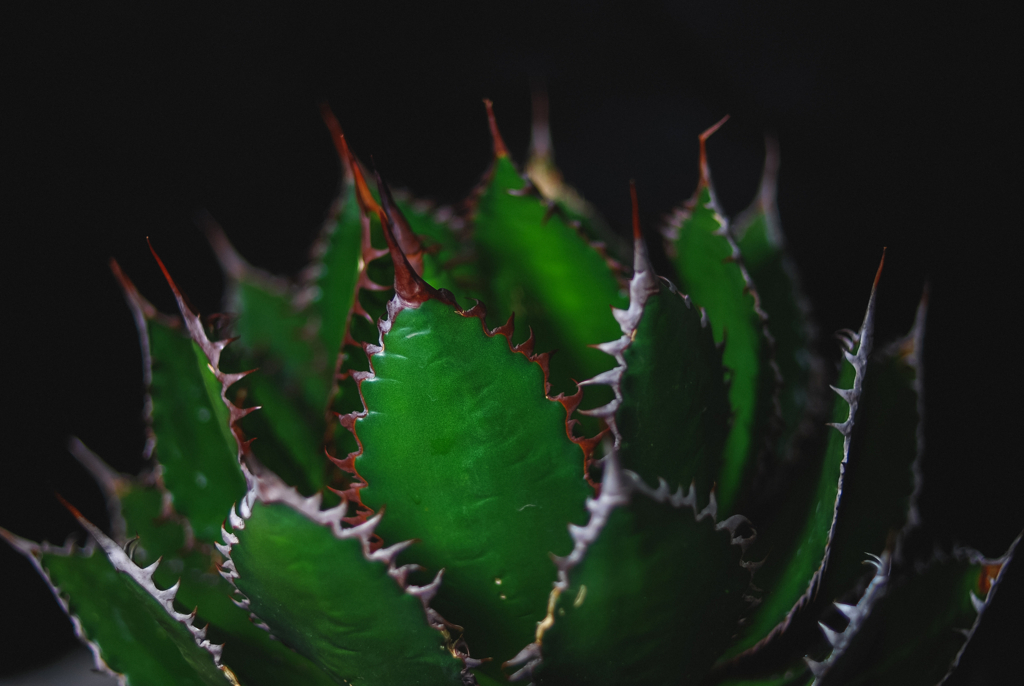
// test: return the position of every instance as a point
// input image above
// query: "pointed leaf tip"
(705, 176)
(407, 239)
(337, 135)
(499, 145)
(540, 131)
(409, 286)
(878, 274)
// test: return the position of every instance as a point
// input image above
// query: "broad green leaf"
(188, 419)
(655, 600)
(321, 592)
(671, 412)
(546, 272)
(157, 533)
(109, 616)
(915, 631)
(467, 455)
(706, 260)
(761, 244)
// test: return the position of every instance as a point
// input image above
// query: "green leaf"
(670, 416)
(761, 243)
(652, 592)
(320, 590)
(137, 505)
(188, 420)
(707, 261)
(911, 629)
(108, 616)
(878, 478)
(546, 272)
(295, 374)
(797, 544)
(336, 272)
(290, 440)
(547, 178)
(462, 447)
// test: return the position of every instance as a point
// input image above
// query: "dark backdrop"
(122, 120)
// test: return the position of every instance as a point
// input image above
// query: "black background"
(895, 129)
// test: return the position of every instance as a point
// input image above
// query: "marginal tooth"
(227, 575)
(875, 562)
(604, 411)
(607, 378)
(365, 530)
(614, 348)
(977, 602)
(200, 634)
(711, 510)
(224, 550)
(262, 625)
(388, 555)
(236, 521)
(831, 636)
(847, 394)
(167, 595)
(243, 603)
(229, 565)
(848, 611)
(427, 593)
(229, 538)
(148, 571)
(843, 428)
(246, 508)
(966, 633)
(215, 650)
(580, 533)
(817, 668)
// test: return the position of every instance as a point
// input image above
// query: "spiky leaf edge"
(617, 484)
(265, 486)
(410, 292)
(670, 231)
(878, 587)
(863, 342)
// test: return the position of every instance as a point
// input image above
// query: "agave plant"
(368, 476)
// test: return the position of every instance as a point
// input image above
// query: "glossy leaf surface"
(319, 595)
(653, 565)
(468, 456)
(127, 641)
(251, 653)
(193, 443)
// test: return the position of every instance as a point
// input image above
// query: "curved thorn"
(499, 145)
